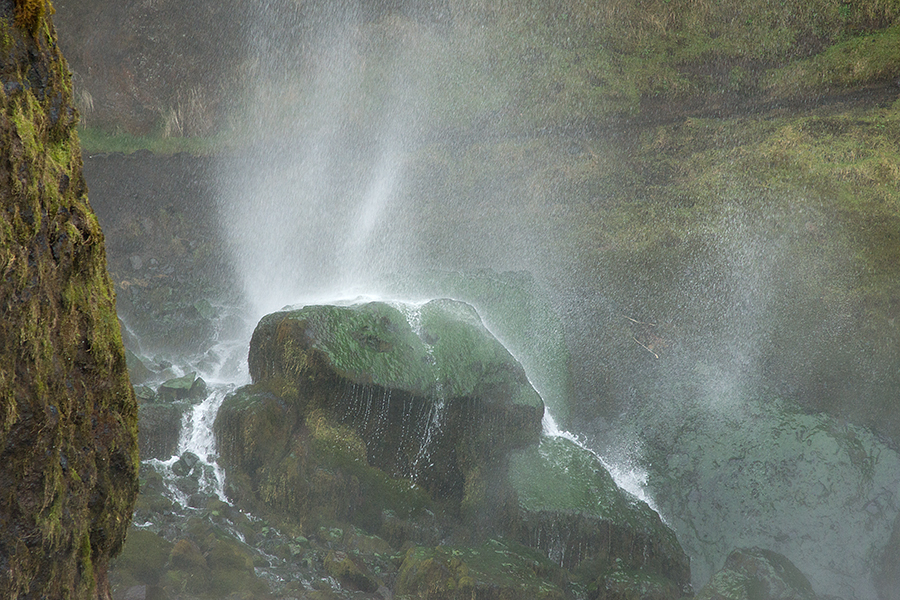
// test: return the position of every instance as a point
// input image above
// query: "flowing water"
(325, 202)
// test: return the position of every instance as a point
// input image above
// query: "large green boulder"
(413, 422)
(572, 509)
(434, 395)
(68, 416)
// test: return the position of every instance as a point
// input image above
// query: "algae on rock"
(68, 418)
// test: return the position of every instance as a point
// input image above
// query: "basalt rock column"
(68, 418)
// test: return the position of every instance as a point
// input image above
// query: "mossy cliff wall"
(68, 418)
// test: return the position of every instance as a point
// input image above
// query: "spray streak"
(628, 477)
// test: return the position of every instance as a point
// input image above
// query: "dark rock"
(184, 465)
(137, 370)
(340, 566)
(159, 427)
(437, 404)
(758, 574)
(144, 394)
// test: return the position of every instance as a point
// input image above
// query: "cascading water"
(324, 203)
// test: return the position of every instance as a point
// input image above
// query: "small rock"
(185, 464)
(186, 387)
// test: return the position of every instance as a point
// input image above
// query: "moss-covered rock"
(516, 309)
(746, 472)
(431, 395)
(439, 349)
(573, 510)
(307, 470)
(68, 417)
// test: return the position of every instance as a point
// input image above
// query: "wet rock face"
(68, 418)
(436, 398)
(804, 485)
(572, 510)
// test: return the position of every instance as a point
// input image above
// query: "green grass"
(99, 141)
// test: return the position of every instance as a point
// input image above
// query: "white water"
(198, 437)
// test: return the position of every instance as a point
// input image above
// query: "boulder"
(572, 509)
(68, 416)
(137, 369)
(159, 427)
(435, 396)
(759, 473)
(754, 573)
(415, 424)
(516, 309)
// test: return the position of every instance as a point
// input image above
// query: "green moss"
(63, 343)
(869, 58)
(99, 141)
(451, 355)
(559, 475)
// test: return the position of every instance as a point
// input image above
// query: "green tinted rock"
(137, 370)
(516, 309)
(757, 574)
(68, 416)
(749, 472)
(573, 510)
(439, 349)
(187, 386)
(432, 394)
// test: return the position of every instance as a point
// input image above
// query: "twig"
(644, 347)
(639, 322)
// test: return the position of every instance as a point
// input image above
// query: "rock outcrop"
(68, 418)
(804, 485)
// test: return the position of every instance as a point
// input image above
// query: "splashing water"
(198, 437)
(629, 477)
